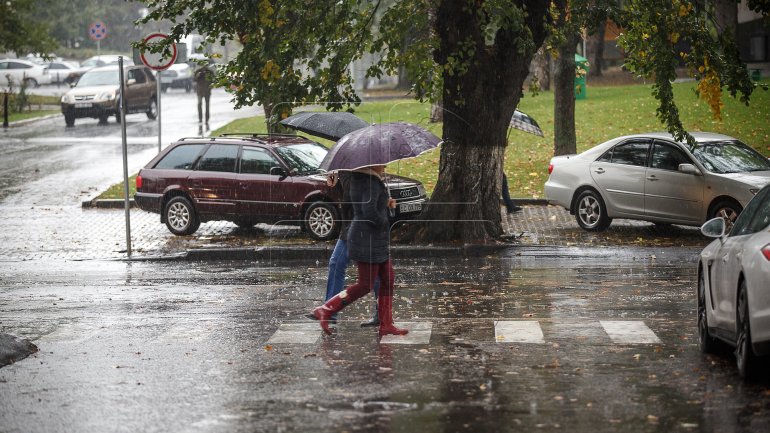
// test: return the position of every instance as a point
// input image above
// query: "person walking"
(369, 246)
(203, 78)
(510, 206)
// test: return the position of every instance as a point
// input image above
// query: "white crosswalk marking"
(518, 332)
(296, 333)
(419, 333)
(629, 332)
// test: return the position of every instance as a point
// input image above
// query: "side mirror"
(131, 81)
(713, 228)
(278, 171)
(689, 169)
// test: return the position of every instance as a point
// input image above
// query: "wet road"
(223, 347)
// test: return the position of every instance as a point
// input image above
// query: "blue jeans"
(338, 264)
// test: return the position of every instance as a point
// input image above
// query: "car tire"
(706, 342)
(728, 209)
(180, 216)
(152, 109)
(103, 118)
(31, 82)
(744, 354)
(69, 118)
(322, 221)
(590, 211)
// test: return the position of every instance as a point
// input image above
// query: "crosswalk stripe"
(296, 333)
(518, 332)
(629, 332)
(419, 333)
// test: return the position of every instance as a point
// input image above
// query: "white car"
(178, 76)
(59, 70)
(18, 70)
(652, 177)
(734, 285)
(95, 62)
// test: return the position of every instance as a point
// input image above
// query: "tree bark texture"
(478, 105)
(726, 16)
(564, 141)
(541, 69)
(595, 50)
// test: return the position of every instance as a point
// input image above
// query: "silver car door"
(668, 193)
(619, 174)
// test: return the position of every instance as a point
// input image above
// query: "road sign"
(158, 61)
(97, 31)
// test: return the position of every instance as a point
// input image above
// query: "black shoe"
(312, 316)
(374, 321)
(513, 209)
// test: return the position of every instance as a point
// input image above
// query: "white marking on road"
(518, 332)
(629, 332)
(296, 333)
(419, 333)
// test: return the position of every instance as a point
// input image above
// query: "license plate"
(83, 105)
(410, 207)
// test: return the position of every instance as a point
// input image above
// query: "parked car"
(249, 179)
(652, 177)
(59, 70)
(178, 76)
(97, 94)
(733, 285)
(20, 70)
(95, 62)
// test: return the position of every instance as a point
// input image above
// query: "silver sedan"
(734, 285)
(652, 177)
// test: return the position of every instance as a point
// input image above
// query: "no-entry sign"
(158, 61)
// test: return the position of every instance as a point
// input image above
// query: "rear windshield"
(730, 157)
(181, 157)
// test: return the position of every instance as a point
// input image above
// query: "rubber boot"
(325, 312)
(385, 305)
(375, 320)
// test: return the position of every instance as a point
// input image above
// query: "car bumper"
(558, 194)
(176, 82)
(148, 202)
(409, 209)
(89, 109)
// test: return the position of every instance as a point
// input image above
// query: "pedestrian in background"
(203, 78)
(369, 246)
(510, 206)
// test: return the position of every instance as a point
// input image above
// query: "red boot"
(337, 303)
(385, 312)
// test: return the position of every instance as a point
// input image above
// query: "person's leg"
(509, 204)
(367, 272)
(338, 264)
(375, 320)
(208, 98)
(385, 301)
(200, 109)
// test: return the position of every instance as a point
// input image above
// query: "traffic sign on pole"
(97, 31)
(158, 61)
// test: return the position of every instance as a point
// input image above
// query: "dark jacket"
(369, 233)
(343, 190)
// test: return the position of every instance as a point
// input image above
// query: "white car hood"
(91, 90)
(754, 178)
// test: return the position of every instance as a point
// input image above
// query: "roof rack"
(255, 136)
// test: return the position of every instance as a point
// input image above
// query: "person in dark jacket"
(369, 246)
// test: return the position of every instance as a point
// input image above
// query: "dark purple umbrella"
(525, 123)
(329, 125)
(378, 145)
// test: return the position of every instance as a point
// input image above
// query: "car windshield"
(99, 78)
(730, 157)
(304, 158)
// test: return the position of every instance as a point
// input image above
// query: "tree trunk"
(595, 50)
(564, 141)
(436, 112)
(726, 16)
(541, 66)
(478, 105)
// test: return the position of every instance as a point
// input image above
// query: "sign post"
(158, 62)
(97, 31)
(122, 114)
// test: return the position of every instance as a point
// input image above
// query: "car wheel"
(728, 210)
(322, 221)
(181, 218)
(30, 82)
(69, 118)
(590, 211)
(706, 342)
(152, 111)
(103, 118)
(744, 354)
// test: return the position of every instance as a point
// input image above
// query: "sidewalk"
(73, 233)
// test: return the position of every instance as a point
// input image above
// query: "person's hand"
(391, 203)
(331, 179)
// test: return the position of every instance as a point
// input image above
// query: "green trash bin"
(756, 74)
(581, 70)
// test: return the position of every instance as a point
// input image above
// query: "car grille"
(404, 193)
(85, 97)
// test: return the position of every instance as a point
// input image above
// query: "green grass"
(116, 191)
(607, 112)
(37, 105)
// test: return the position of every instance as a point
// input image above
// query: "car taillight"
(766, 251)
(550, 168)
(138, 182)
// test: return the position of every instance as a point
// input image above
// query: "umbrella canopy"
(329, 125)
(378, 145)
(525, 123)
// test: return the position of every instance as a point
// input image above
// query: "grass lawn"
(38, 106)
(607, 112)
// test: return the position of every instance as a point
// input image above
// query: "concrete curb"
(32, 120)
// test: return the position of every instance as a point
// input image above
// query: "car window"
(3, 65)
(304, 158)
(56, 66)
(730, 157)
(755, 217)
(137, 75)
(667, 156)
(257, 161)
(219, 157)
(631, 153)
(17, 65)
(181, 157)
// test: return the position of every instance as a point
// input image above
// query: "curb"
(32, 120)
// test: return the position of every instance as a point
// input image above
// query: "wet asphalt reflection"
(186, 345)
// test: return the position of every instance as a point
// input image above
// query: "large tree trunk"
(478, 105)
(541, 69)
(564, 141)
(726, 16)
(595, 50)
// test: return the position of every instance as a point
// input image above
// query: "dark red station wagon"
(250, 179)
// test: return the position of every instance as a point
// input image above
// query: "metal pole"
(5, 109)
(157, 78)
(126, 203)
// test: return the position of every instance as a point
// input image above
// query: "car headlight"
(107, 96)
(65, 99)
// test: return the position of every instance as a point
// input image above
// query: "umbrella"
(525, 123)
(329, 125)
(378, 145)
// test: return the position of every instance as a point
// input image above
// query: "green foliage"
(20, 32)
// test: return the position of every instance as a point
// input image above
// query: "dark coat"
(343, 190)
(369, 233)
